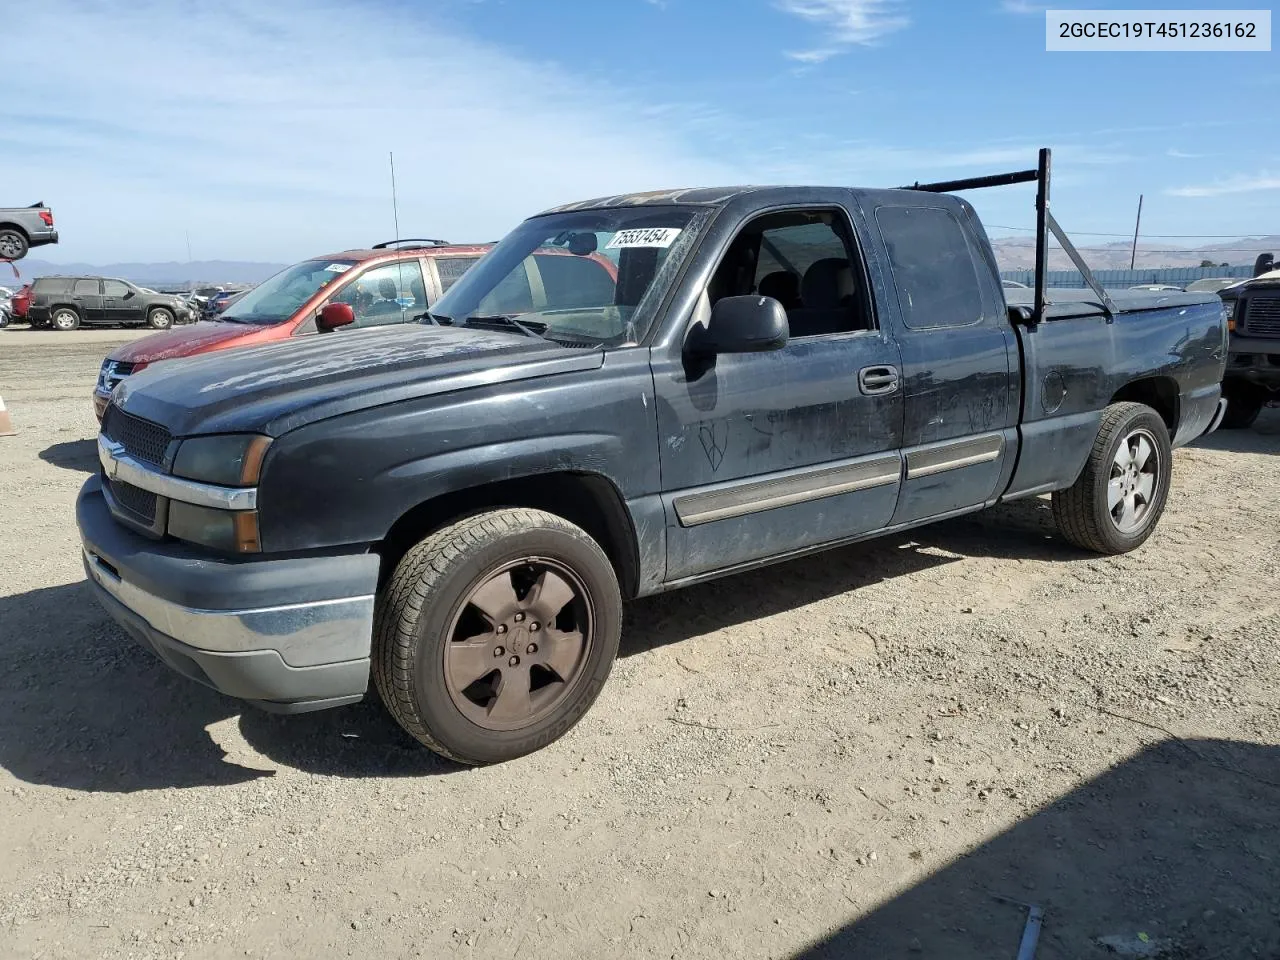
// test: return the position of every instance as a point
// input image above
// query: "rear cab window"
(933, 269)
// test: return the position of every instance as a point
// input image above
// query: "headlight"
(230, 460)
(1230, 307)
(225, 530)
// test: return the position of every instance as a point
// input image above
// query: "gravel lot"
(842, 756)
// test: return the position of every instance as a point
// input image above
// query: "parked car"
(289, 304)
(1157, 288)
(6, 313)
(1252, 378)
(460, 507)
(19, 302)
(65, 303)
(22, 228)
(1212, 284)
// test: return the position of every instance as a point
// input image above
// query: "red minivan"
(389, 283)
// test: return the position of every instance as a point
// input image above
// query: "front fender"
(347, 480)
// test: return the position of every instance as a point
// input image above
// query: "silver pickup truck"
(22, 228)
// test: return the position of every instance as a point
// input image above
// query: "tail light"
(47, 217)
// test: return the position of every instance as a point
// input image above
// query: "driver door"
(767, 453)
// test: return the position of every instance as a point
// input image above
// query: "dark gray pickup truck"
(459, 507)
(22, 228)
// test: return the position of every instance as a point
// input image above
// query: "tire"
(1084, 512)
(64, 319)
(427, 606)
(160, 319)
(4, 319)
(1243, 407)
(13, 245)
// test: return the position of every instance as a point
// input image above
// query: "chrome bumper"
(290, 635)
(304, 634)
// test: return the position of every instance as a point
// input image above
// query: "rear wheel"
(495, 634)
(64, 318)
(13, 245)
(160, 319)
(1115, 504)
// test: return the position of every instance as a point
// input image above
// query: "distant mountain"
(172, 273)
(1019, 253)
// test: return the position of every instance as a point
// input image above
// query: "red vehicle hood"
(183, 341)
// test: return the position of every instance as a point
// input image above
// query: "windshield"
(591, 276)
(278, 299)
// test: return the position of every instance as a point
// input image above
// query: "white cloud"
(272, 142)
(1238, 184)
(1183, 155)
(846, 22)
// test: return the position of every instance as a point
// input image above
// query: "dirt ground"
(845, 756)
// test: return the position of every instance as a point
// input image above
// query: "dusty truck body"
(459, 508)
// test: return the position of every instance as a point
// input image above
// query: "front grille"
(113, 371)
(140, 503)
(141, 439)
(1262, 316)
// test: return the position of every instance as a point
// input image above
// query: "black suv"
(64, 303)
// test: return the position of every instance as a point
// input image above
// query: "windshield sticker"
(648, 237)
(338, 267)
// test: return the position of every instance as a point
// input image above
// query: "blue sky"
(262, 127)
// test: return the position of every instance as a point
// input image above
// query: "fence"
(1120, 279)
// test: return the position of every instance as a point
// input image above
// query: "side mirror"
(750, 324)
(335, 315)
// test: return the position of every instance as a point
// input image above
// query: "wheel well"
(55, 307)
(16, 227)
(1158, 393)
(588, 500)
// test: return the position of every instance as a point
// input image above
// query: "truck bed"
(1063, 304)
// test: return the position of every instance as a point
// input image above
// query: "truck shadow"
(1262, 437)
(84, 708)
(1181, 842)
(1023, 529)
(79, 455)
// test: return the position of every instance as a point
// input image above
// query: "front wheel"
(64, 318)
(1243, 407)
(160, 319)
(495, 634)
(1115, 504)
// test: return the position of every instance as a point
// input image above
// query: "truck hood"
(278, 387)
(181, 342)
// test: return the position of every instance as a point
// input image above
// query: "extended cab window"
(386, 294)
(932, 267)
(801, 259)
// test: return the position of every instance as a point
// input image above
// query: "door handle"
(875, 381)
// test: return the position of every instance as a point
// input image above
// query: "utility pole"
(394, 211)
(1133, 256)
(188, 246)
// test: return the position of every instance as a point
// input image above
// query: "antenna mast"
(395, 212)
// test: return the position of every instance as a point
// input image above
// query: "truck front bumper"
(286, 635)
